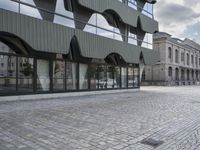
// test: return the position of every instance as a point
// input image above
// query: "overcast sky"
(180, 18)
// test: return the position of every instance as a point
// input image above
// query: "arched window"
(169, 52)
(188, 59)
(192, 74)
(170, 71)
(188, 75)
(182, 74)
(177, 56)
(177, 74)
(102, 27)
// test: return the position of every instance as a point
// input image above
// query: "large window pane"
(116, 77)
(110, 77)
(124, 77)
(102, 77)
(30, 11)
(136, 77)
(61, 20)
(130, 77)
(59, 75)
(71, 76)
(9, 5)
(83, 76)
(7, 73)
(25, 74)
(93, 71)
(43, 75)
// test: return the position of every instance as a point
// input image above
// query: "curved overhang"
(151, 1)
(40, 35)
(94, 46)
(127, 15)
(48, 37)
(150, 57)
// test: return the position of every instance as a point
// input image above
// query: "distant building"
(179, 62)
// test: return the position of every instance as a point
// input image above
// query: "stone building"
(179, 62)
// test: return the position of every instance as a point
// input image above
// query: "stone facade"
(179, 62)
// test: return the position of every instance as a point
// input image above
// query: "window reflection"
(61, 20)
(148, 10)
(71, 75)
(93, 71)
(7, 73)
(25, 74)
(110, 77)
(9, 5)
(116, 73)
(102, 76)
(83, 76)
(102, 28)
(43, 75)
(124, 77)
(130, 77)
(136, 79)
(148, 41)
(59, 75)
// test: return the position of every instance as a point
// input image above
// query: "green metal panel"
(127, 14)
(94, 46)
(148, 25)
(49, 37)
(151, 57)
(40, 35)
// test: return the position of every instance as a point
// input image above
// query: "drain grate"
(152, 142)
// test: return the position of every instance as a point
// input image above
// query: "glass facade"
(97, 24)
(71, 76)
(43, 75)
(58, 75)
(25, 74)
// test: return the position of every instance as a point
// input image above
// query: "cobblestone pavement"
(161, 118)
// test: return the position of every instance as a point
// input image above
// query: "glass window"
(59, 75)
(102, 76)
(62, 20)
(148, 40)
(177, 56)
(83, 76)
(30, 11)
(124, 77)
(93, 71)
(71, 75)
(43, 75)
(130, 77)
(8, 74)
(148, 10)
(117, 78)
(132, 4)
(169, 52)
(132, 38)
(110, 77)
(9, 5)
(136, 77)
(25, 74)
(170, 71)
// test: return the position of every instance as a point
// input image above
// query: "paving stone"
(107, 121)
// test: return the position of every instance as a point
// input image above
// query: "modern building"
(179, 62)
(74, 45)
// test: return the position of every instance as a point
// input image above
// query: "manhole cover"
(152, 142)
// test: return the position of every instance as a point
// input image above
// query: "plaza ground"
(153, 118)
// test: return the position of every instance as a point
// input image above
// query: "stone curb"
(60, 95)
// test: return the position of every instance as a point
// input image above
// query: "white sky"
(180, 18)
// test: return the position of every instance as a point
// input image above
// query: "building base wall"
(169, 83)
